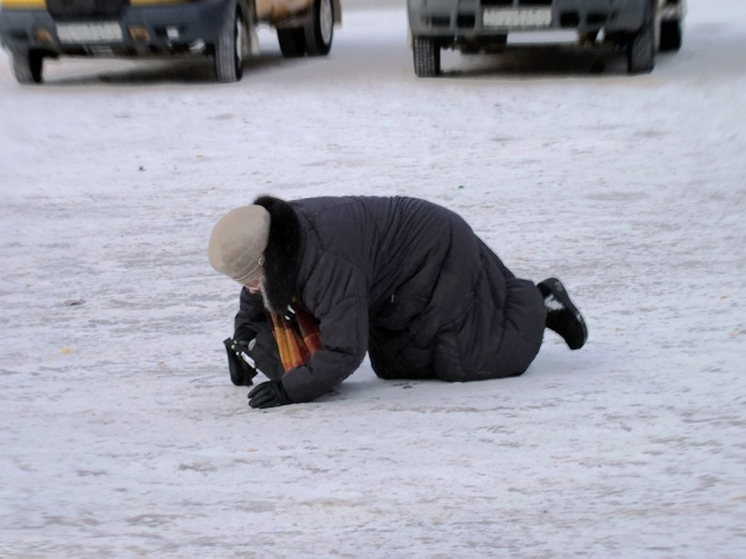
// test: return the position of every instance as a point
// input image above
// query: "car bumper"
(451, 18)
(183, 27)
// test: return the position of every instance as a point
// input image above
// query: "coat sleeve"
(337, 295)
(250, 312)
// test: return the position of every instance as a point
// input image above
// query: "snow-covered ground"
(121, 434)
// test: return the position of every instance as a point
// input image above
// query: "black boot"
(562, 316)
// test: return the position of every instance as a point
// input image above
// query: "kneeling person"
(400, 278)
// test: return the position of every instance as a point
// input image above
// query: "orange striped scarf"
(296, 339)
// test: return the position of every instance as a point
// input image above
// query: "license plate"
(517, 18)
(80, 33)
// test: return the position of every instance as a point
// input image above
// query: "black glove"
(269, 395)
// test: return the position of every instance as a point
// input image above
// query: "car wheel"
(641, 49)
(320, 28)
(27, 66)
(292, 41)
(426, 57)
(671, 33)
(229, 48)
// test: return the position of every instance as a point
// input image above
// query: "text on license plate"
(89, 32)
(517, 17)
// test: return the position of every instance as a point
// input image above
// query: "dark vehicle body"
(32, 30)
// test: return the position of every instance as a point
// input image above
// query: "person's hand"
(269, 395)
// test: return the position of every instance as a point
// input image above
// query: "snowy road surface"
(121, 435)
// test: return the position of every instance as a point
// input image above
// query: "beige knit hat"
(238, 241)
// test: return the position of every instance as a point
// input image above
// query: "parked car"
(639, 26)
(32, 30)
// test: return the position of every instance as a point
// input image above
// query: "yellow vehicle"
(32, 30)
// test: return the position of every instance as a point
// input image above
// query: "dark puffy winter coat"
(401, 278)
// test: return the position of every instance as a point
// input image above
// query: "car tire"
(426, 53)
(320, 28)
(641, 49)
(292, 41)
(229, 48)
(27, 66)
(671, 35)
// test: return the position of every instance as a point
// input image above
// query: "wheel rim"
(239, 42)
(326, 20)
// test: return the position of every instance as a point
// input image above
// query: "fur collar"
(282, 255)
